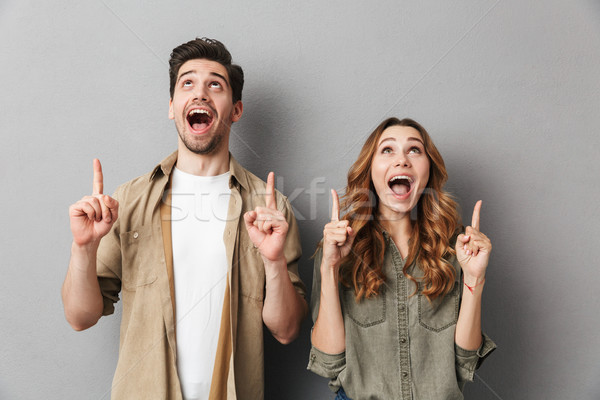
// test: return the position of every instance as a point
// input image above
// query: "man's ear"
(238, 110)
(171, 115)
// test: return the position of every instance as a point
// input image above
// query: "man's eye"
(187, 83)
(215, 85)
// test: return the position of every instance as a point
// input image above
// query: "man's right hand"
(93, 216)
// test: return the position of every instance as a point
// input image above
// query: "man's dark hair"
(209, 49)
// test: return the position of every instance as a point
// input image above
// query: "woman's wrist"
(473, 284)
(329, 271)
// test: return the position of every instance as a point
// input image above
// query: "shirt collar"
(237, 171)
(165, 166)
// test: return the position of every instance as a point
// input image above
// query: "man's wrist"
(274, 267)
(87, 249)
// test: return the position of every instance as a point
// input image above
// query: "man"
(202, 252)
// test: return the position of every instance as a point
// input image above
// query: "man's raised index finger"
(335, 209)
(98, 186)
(476, 213)
(270, 195)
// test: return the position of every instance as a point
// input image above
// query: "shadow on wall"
(503, 316)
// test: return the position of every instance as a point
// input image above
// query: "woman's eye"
(414, 150)
(386, 150)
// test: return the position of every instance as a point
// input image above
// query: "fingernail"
(465, 247)
(468, 252)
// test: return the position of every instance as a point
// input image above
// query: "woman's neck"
(400, 228)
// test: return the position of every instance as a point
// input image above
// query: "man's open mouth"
(200, 119)
(401, 184)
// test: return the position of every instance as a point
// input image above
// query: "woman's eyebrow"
(387, 139)
(415, 139)
(394, 139)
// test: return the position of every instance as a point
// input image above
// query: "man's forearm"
(284, 308)
(81, 294)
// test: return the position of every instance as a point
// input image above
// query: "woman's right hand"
(338, 236)
(93, 216)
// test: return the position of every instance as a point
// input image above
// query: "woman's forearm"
(328, 334)
(468, 327)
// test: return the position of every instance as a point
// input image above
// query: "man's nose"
(201, 94)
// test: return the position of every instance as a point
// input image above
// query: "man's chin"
(203, 147)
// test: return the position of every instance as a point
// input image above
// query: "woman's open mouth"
(200, 119)
(401, 185)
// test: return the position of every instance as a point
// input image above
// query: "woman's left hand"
(473, 250)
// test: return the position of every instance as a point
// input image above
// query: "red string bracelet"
(474, 286)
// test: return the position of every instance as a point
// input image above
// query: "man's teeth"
(399, 177)
(200, 111)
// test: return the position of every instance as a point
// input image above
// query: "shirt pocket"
(440, 313)
(252, 273)
(368, 312)
(139, 257)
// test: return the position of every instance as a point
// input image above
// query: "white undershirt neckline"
(199, 206)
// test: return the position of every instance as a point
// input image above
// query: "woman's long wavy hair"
(437, 221)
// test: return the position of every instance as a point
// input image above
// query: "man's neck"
(212, 164)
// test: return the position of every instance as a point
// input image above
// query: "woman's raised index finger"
(270, 194)
(335, 207)
(476, 214)
(98, 185)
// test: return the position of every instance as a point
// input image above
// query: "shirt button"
(403, 340)
(405, 374)
(135, 235)
(401, 307)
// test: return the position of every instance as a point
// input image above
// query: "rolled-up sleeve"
(467, 361)
(323, 364)
(108, 265)
(326, 365)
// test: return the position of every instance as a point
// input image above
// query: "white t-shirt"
(198, 215)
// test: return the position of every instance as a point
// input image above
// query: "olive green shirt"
(398, 345)
(131, 261)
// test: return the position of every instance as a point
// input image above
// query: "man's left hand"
(267, 226)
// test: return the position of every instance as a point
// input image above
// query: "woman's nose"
(402, 161)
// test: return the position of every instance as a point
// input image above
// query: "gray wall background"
(509, 90)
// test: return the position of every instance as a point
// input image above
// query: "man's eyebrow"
(220, 76)
(193, 71)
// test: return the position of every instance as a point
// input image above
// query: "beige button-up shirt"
(133, 260)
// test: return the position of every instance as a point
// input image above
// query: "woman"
(397, 301)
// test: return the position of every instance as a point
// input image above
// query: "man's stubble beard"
(203, 147)
(213, 144)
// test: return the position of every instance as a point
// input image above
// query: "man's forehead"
(202, 65)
